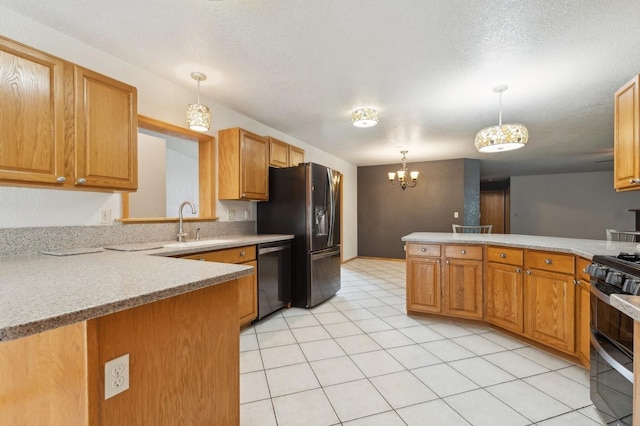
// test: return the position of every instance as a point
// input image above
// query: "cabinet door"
(504, 296)
(423, 284)
(462, 289)
(550, 309)
(296, 155)
(248, 296)
(254, 169)
(626, 138)
(278, 153)
(106, 149)
(31, 115)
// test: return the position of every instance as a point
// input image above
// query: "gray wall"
(574, 205)
(386, 213)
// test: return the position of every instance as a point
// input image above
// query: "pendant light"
(198, 116)
(500, 138)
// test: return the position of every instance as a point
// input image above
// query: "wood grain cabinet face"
(296, 155)
(243, 165)
(462, 287)
(106, 145)
(278, 153)
(550, 300)
(247, 285)
(626, 156)
(31, 115)
(64, 126)
(504, 297)
(423, 278)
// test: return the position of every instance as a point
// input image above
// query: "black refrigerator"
(305, 201)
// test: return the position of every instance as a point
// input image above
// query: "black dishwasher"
(274, 277)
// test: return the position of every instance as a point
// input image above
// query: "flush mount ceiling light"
(405, 178)
(364, 117)
(500, 138)
(198, 116)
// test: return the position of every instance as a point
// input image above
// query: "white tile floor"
(358, 359)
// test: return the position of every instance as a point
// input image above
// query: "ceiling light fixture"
(405, 178)
(198, 116)
(501, 137)
(364, 117)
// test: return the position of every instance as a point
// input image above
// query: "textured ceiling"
(429, 66)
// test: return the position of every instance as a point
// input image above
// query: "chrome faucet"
(181, 234)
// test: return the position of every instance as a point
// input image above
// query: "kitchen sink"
(187, 244)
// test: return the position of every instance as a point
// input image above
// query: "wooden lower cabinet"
(550, 309)
(462, 288)
(423, 285)
(505, 296)
(184, 366)
(247, 286)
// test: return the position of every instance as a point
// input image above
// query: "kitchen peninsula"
(63, 317)
(531, 286)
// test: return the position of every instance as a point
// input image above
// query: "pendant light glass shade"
(501, 138)
(406, 178)
(198, 116)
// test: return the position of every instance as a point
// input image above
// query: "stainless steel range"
(612, 336)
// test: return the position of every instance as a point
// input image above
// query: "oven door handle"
(600, 295)
(610, 360)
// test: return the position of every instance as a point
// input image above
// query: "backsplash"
(19, 241)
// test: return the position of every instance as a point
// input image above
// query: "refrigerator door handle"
(332, 206)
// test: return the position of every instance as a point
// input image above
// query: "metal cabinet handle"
(548, 261)
(201, 259)
(438, 261)
(242, 253)
(529, 272)
(243, 195)
(518, 270)
(447, 262)
(503, 255)
(82, 181)
(463, 252)
(576, 282)
(634, 181)
(423, 249)
(61, 179)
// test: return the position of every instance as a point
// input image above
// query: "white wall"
(576, 205)
(157, 98)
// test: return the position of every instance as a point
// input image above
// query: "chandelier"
(364, 117)
(406, 178)
(505, 137)
(198, 116)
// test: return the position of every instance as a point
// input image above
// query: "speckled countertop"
(41, 292)
(583, 248)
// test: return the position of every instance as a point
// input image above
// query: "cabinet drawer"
(431, 250)
(581, 265)
(464, 252)
(555, 262)
(232, 255)
(510, 256)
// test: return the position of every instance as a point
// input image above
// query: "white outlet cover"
(116, 376)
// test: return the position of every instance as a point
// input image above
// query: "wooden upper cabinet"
(62, 126)
(31, 115)
(278, 153)
(281, 154)
(296, 155)
(243, 160)
(106, 148)
(626, 159)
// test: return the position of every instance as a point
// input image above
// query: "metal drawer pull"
(463, 252)
(438, 261)
(242, 253)
(548, 261)
(61, 179)
(423, 249)
(518, 270)
(634, 181)
(529, 272)
(447, 262)
(503, 255)
(82, 181)
(201, 259)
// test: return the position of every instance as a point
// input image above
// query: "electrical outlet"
(455, 215)
(231, 214)
(247, 214)
(105, 216)
(116, 376)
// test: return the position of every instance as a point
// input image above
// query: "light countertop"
(42, 292)
(579, 247)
